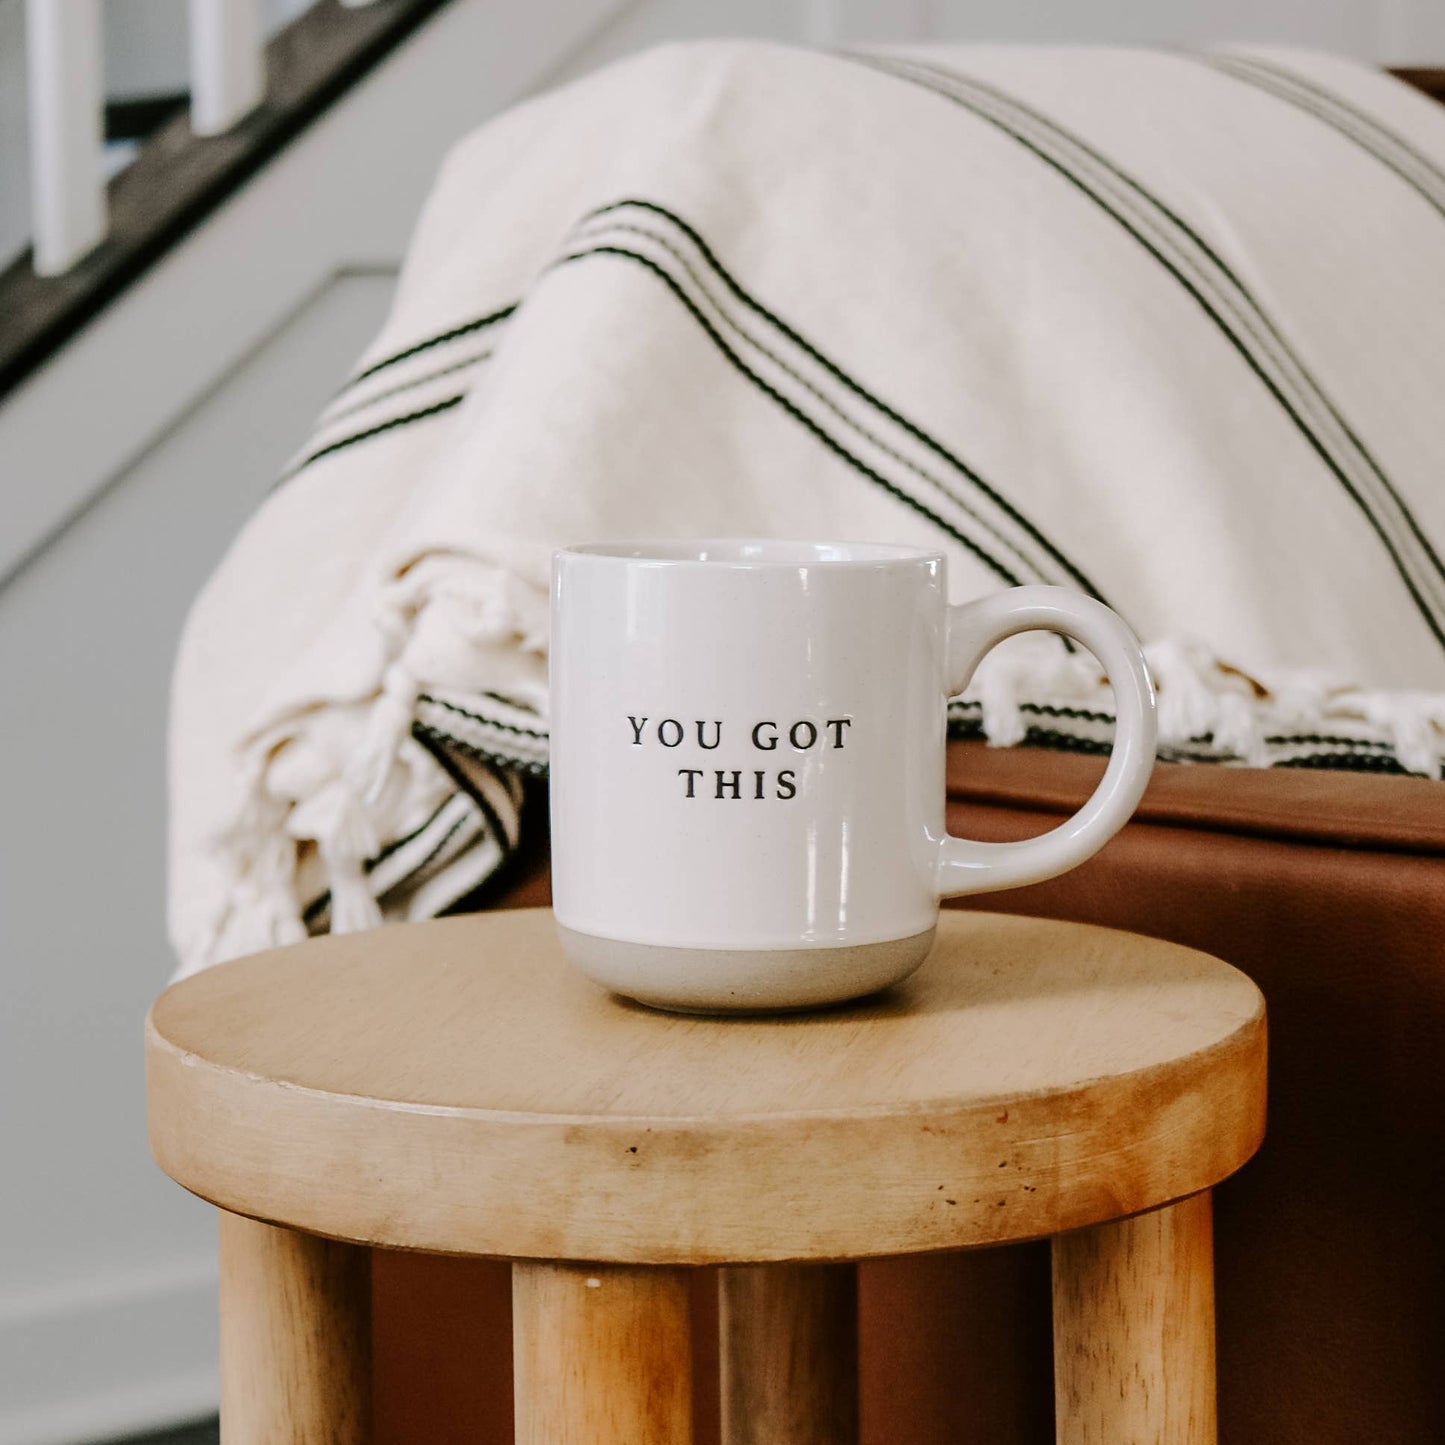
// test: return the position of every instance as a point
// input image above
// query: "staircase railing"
(67, 100)
(250, 97)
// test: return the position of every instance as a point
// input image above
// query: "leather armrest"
(1305, 805)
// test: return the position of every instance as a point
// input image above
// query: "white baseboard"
(93, 1361)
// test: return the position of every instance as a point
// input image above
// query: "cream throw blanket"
(1163, 327)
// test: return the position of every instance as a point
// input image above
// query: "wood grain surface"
(455, 1086)
(1134, 1330)
(788, 1349)
(601, 1355)
(295, 1337)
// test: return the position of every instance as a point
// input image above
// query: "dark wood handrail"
(179, 178)
(1429, 78)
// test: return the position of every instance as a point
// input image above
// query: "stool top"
(456, 1086)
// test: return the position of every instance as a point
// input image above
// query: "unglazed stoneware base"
(743, 980)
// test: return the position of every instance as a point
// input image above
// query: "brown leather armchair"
(1329, 890)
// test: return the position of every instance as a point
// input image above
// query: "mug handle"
(965, 866)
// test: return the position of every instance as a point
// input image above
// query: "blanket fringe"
(346, 831)
(346, 787)
(345, 779)
(1243, 714)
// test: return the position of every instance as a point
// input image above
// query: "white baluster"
(822, 24)
(228, 69)
(844, 22)
(63, 55)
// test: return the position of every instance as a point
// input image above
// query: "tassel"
(1188, 706)
(1414, 723)
(388, 725)
(996, 691)
(345, 837)
(256, 905)
(352, 906)
(1031, 669)
(1303, 701)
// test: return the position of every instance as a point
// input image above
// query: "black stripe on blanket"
(881, 416)
(461, 837)
(452, 333)
(329, 417)
(1209, 280)
(432, 738)
(316, 910)
(997, 544)
(1347, 763)
(450, 840)
(514, 752)
(626, 253)
(1392, 151)
(393, 424)
(437, 745)
(492, 722)
(514, 703)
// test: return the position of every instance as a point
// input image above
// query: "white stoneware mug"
(747, 764)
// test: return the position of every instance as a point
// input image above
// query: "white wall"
(193, 388)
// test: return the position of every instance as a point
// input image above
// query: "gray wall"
(14, 161)
(145, 42)
(86, 638)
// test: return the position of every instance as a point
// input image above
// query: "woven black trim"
(510, 702)
(527, 767)
(477, 717)
(1360, 755)
(1346, 763)
(1289, 739)
(1039, 709)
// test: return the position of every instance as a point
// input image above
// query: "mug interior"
(747, 552)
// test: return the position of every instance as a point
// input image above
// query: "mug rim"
(749, 553)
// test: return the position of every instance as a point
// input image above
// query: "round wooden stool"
(456, 1087)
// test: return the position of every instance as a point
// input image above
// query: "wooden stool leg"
(601, 1355)
(295, 1337)
(1134, 1330)
(788, 1345)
